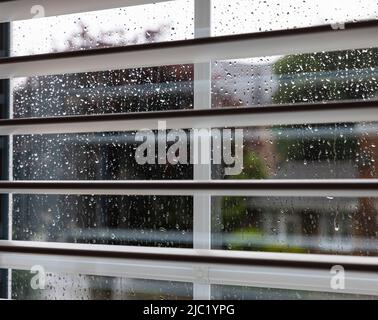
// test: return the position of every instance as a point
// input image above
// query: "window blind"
(199, 51)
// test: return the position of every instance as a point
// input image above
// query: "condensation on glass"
(158, 221)
(242, 16)
(349, 75)
(312, 151)
(155, 22)
(116, 91)
(73, 286)
(318, 225)
(228, 292)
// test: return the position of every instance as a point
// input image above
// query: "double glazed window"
(281, 98)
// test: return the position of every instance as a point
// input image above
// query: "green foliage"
(339, 75)
(324, 76)
(256, 242)
(254, 167)
(234, 208)
(326, 61)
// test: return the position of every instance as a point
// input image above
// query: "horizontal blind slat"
(318, 188)
(311, 261)
(305, 40)
(310, 113)
(359, 282)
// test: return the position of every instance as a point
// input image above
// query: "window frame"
(5, 43)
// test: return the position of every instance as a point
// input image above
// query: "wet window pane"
(132, 90)
(174, 20)
(332, 225)
(314, 151)
(64, 286)
(222, 292)
(301, 78)
(161, 221)
(242, 16)
(165, 21)
(92, 156)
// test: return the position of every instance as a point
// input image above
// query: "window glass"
(65, 286)
(332, 225)
(117, 91)
(223, 292)
(92, 156)
(161, 221)
(300, 78)
(242, 16)
(313, 151)
(174, 20)
(164, 21)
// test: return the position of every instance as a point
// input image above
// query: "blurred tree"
(339, 75)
